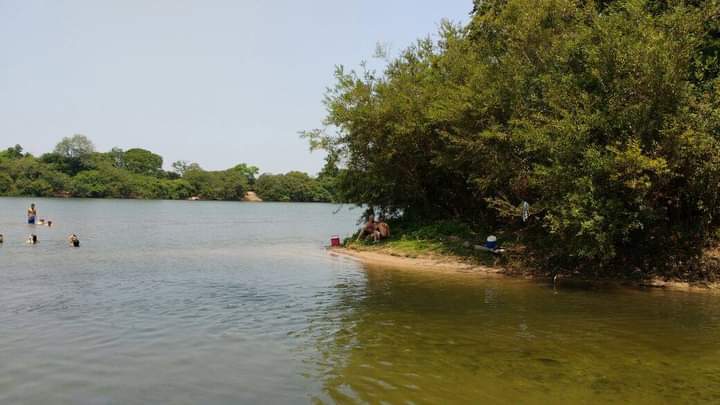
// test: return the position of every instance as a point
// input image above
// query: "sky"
(207, 81)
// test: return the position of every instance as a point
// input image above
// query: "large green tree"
(603, 116)
(75, 146)
(142, 161)
(292, 186)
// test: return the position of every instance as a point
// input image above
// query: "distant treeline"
(75, 169)
(587, 131)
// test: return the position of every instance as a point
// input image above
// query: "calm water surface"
(202, 302)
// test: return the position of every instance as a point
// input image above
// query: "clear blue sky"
(216, 82)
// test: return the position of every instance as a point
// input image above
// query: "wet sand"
(454, 264)
(442, 263)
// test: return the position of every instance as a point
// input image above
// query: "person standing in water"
(31, 214)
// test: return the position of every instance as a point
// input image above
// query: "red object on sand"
(335, 241)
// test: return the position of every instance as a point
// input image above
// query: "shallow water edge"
(380, 257)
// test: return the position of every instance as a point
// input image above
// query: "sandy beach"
(453, 264)
(438, 263)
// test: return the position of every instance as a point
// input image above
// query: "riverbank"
(389, 255)
(384, 257)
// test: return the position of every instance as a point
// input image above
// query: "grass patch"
(436, 239)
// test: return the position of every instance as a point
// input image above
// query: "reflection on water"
(178, 302)
(438, 338)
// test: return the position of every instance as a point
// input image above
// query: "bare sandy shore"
(433, 263)
(380, 258)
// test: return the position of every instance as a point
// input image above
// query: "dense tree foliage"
(75, 169)
(141, 161)
(75, 146)
(602, 115)
(292, 186)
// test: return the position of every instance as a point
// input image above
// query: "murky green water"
(179, 302)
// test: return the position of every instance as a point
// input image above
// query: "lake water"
(223, 303)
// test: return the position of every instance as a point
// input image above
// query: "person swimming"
(41, 222)
(31, 214)
(1, 238)
(74, 240)
(32, 239)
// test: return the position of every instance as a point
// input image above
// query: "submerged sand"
(455, 264)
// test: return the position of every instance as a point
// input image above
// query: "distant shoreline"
(31, 197)
(76, 169)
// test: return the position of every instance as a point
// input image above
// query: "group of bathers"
(73, 239)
